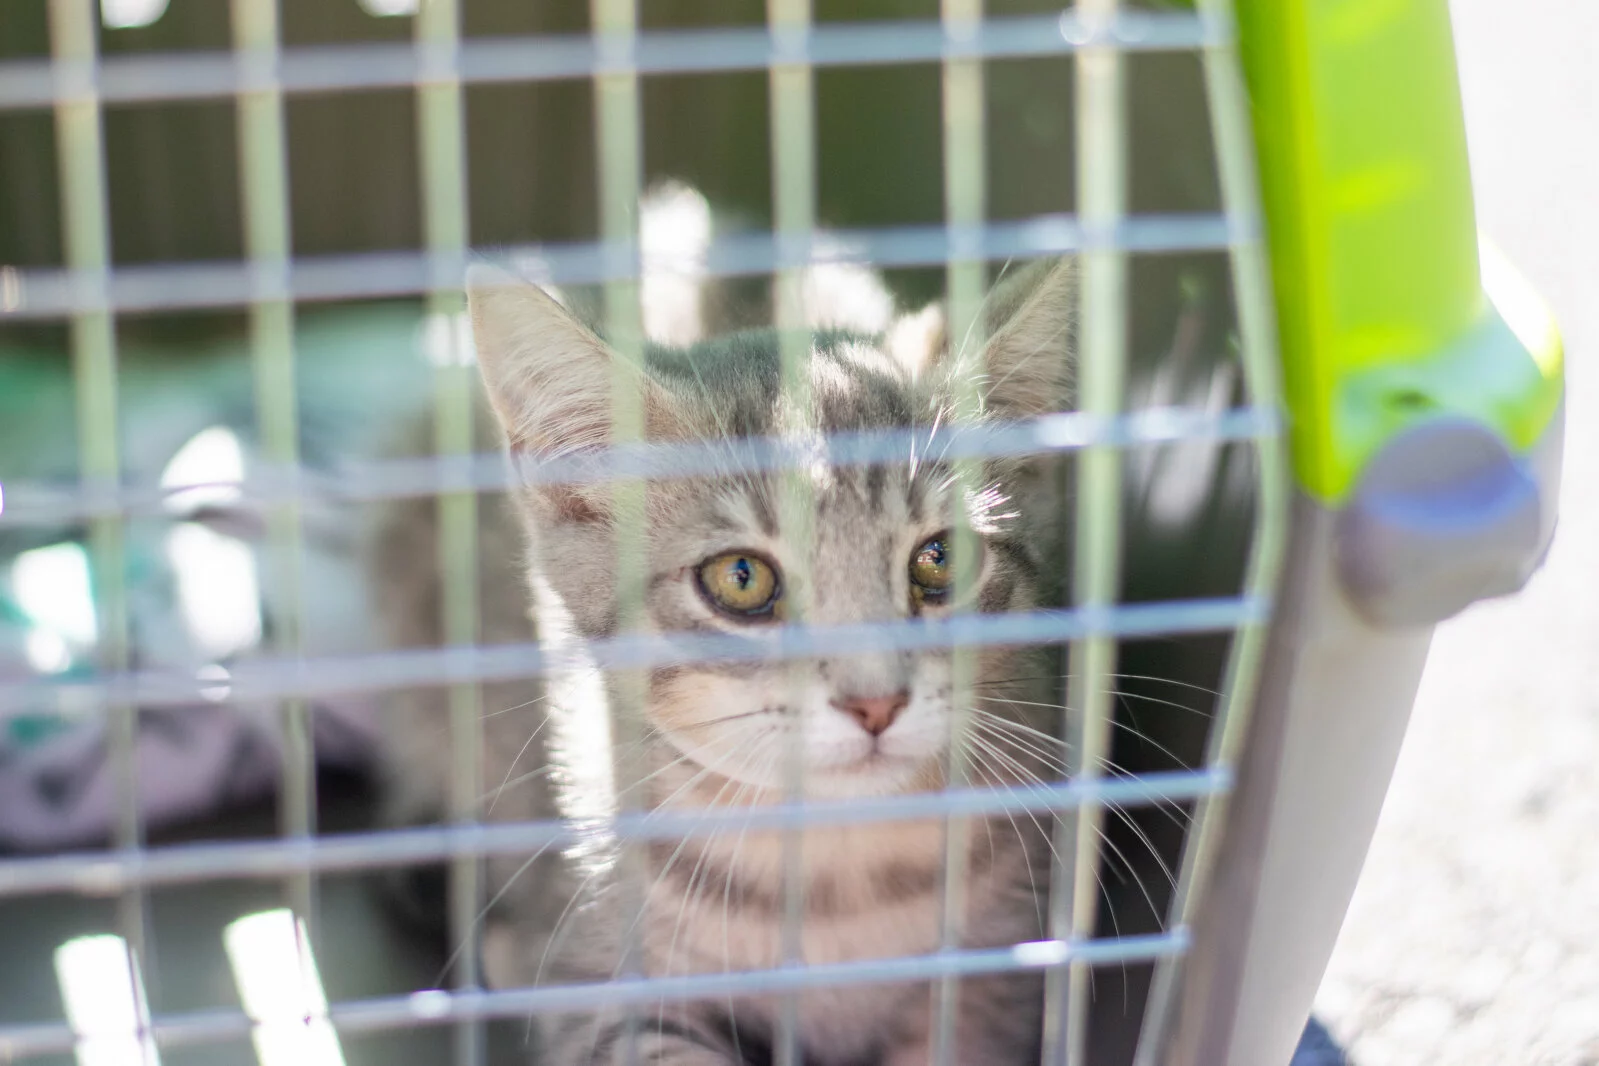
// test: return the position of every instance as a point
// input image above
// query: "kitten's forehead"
(854, 386)
(735, 383)
(892, 495)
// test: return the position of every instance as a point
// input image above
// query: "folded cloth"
(59, 785)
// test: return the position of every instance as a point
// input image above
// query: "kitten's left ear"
(1025, 369)
(1028, 362)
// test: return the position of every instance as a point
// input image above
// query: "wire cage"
(218, 213)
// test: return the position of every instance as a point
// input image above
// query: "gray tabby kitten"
(718, 735)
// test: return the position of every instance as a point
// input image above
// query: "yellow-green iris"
(931, 572)
(740, 583)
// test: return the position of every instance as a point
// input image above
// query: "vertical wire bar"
(80, 152)
(441, 138)
(965, 209)
(263, 170)
(1101, 185)
(620, 143)
(1257, 329)
(793, 147)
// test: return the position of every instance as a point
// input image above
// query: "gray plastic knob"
(1443, 516)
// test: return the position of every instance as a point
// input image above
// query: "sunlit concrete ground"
(1474, 934)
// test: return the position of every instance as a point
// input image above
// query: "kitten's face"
(722, 560)
(879, 549)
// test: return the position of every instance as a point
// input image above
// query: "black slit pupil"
(742, 574)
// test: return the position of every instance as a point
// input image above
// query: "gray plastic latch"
(1443, 516)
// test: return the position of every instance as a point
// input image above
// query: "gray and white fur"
(718, 735)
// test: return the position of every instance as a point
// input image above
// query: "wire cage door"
(1123, 450)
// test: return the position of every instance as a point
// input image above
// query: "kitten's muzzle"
(874, 713)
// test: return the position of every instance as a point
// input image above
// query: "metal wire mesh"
(259, 74)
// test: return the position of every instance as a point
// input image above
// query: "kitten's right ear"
(550, 381)
(549, 378)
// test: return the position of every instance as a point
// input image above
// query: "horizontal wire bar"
(35, 504)
(54, 293)
(437, 1006)
(106, 873)
(150, 78)
(275, 677)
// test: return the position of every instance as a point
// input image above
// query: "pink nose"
(874, 713)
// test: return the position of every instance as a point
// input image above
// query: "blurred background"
(1473, 938)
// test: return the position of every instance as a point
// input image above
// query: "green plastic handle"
(1380, 289)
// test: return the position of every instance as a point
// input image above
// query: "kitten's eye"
(930, 571)
(740, 583)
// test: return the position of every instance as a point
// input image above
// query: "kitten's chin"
(874, 775)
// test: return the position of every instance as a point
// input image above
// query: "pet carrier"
(1313, 418)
